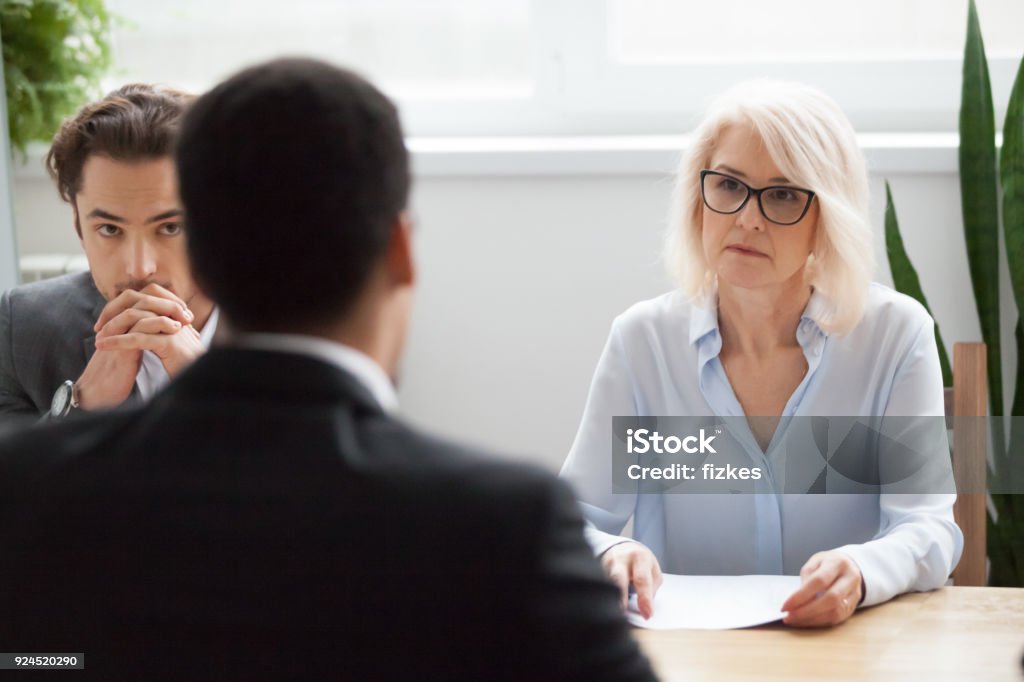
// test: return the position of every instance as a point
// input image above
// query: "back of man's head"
(292, 175)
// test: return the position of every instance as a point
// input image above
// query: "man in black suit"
(267, 515)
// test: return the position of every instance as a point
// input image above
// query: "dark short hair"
(292, 174)
(133, 123)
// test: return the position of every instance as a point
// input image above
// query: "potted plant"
(980, 181)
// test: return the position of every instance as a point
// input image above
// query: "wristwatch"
(64, 400)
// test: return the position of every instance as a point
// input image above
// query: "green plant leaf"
(1011, 176)
(979, 197)
(1006, 542)
(55, 52)
(905, 279)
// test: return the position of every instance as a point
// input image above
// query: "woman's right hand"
(632, 563)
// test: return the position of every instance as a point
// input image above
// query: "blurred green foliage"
(55, 52)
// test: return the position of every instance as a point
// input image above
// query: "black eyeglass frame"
(756, 192)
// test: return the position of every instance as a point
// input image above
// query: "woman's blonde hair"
(813, 144)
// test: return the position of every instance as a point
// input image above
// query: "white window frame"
(578, 90)
(884, 95)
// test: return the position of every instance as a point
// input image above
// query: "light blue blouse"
(662, 359)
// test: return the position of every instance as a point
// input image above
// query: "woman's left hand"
(830, 590)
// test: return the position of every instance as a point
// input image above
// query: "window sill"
(887, 153)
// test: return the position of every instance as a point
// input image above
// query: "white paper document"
(712, 602)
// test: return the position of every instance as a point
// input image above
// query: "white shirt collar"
(152, 376)
(364, 368)
(210, 328)
(704, 318)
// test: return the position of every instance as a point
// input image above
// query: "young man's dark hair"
(305, 164)
(268, 515)
(136, 122)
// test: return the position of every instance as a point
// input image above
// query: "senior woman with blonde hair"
(775, 317)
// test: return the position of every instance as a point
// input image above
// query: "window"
(415, 49)
(588, 67)
(660, 31)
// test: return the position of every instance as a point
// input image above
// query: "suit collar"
(353, 361)
(228, 373)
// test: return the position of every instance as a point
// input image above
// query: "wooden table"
(955, 633)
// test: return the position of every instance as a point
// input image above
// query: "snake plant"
(980, 180)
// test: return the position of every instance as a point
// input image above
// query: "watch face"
(61, 400)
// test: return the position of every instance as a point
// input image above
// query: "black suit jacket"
(263, 518)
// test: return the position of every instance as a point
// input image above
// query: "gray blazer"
(46, 337)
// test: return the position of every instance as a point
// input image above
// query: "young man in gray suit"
(113, 164)
(268, 515)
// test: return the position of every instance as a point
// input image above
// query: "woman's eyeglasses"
(779, 204)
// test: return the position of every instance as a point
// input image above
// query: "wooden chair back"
(969, 398)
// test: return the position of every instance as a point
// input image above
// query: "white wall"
(521, 276)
